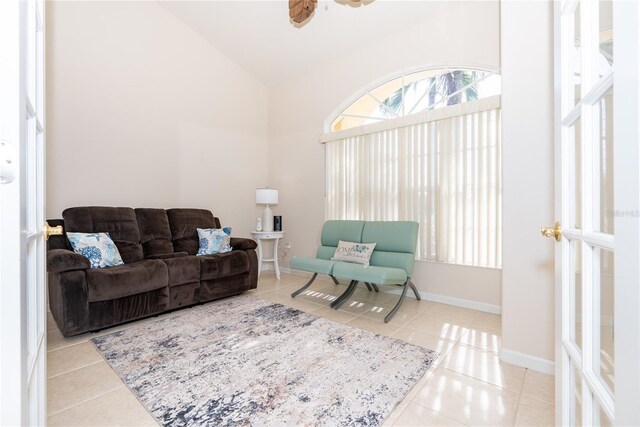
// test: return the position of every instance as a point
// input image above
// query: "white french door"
(597, 193)
(23, 398)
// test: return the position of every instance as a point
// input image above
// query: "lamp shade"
(266, 196)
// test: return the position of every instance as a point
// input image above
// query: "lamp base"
(267, 220)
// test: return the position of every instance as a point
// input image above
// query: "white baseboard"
(443, 299)
(527, 361)
(287, 270)
(460, 302)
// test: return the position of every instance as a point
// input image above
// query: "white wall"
(528, 186)
(143, 112)
(298, 109)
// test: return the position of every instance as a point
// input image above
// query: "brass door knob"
(555, 231)
(52, 231)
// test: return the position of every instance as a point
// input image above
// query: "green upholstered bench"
(391, 262)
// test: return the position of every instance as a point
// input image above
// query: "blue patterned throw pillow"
(98, 248)
(214, 241)
(359, 253)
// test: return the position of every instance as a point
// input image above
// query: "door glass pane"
(577, 175)
(577, 396)
(606, 363)
(577, 57)
(577, 260)
(605, 35)
(605, 152)
(30, 53)
(32, 307)
(32, 175)
(39, 99)
(604, 420)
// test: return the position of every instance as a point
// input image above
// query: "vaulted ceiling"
(259, 36)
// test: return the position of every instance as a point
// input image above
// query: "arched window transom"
(418, 91)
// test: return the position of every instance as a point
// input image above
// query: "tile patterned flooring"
(468, 385)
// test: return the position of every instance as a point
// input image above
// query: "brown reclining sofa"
(161, 271)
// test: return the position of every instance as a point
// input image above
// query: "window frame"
(355, 96)
(403, 120)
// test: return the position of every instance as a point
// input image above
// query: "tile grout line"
(537, 399)
(66, 345)
(438, 412)
(486, 382)
(62, 348)
(85, 401)
(75, 369)
(515, 416)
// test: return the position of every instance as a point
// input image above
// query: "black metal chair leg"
(334, 280)
(345, 295)
(341, 296)
(367, 285)
(398, 304)
(375, 287)
(296, 293)
(415, 291)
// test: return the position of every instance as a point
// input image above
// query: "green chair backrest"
(395, 243)
(335, 230)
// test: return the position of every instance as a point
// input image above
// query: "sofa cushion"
(183, 295)
(169, 255)
(155, 233)
(371, 274)
(183, 270)
(313, 265)
(129, 279)
(183, 224)
(223, 265)
(120, 223)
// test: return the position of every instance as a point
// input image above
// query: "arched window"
(418, 91)
(424, 147)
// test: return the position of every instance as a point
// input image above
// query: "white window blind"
(440, 168)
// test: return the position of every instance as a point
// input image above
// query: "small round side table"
(268, 235)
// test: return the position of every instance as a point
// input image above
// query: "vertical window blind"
(441, 168)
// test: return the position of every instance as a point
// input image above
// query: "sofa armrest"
(169, 255)
(240, 244)
(59, 260)
(69, 301)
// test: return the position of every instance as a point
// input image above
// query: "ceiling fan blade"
(300, 10)
(295, 7)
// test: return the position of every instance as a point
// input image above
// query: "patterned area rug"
(246, 361)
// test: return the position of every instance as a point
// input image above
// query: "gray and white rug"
(246, 361)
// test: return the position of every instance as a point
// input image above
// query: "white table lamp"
(267, 196)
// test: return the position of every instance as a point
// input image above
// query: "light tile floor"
(468, 384)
